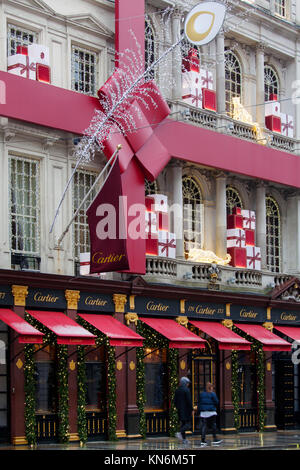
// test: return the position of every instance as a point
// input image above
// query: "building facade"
(69, 390)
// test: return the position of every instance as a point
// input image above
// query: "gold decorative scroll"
(205, 256)
(268, 325)
(182, 320)
(228, 323)
(131, 318)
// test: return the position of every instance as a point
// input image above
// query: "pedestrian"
(207, 408)
(183, 403)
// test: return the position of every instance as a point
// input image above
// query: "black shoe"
(217, 442)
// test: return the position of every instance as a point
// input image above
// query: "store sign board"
(205, 311)
(281, 316)
(46, 298)
(95, 302)
(245, 313)
(154, 306)
(6, 297)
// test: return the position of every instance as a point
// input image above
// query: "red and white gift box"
(236, 237)
(151, 224)
(249, 219)
(22, 65)
(236, 210)
(157, 203)
(234, 221)
(191, 63)
(43, 73)
(272, 108)
(152, 246)
(84, 264)
(39, 53)
(287, 125)
(192, 89)
(273, 123)
(209, 99)
(250, 237)
(163, 221)
(207, 80)
(253, 257)
(238, 257)
(166, 244)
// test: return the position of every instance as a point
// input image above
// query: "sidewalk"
(280, 440)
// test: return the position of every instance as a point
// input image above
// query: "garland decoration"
(260, 367)
(173, 383)
(235, 388)
(63, 393)
(81, 399)
(29, 388)
(140, 389)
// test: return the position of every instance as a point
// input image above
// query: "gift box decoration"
(163, 220)
(287, 125)
(43, 73)
(272, 108)
(207, 80)
(39, 53)
(152, 246)
(238, 257)
(236, 237)
(249, 219)
(191, 89)
(273, 97)
(166, 244)
(273, 123)
(234, 221)
(160, 203)
(191, 63)
(236, 210)
(84, 259)
(149, 203)
(250, 237)
(209, 99)
(22, 50)
(253, 257)
(22, 65)
(151, 224)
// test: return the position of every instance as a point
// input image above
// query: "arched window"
(233, 199)
(233, 80)
(149, 48)
(271, 82)
(151, 187)
(273, 229)
(192, 214)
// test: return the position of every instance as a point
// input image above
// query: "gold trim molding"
(20, 293)
(132, 302)
(119, 301)
(121, 433)
(182, 305)
(20, 440)
(131, 318)
(269, 313)
(74, 437)
(228, 310)
(72, 297)
(182, 321)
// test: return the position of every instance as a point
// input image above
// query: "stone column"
(220, 74)
(292, 256)
(176, 55)
(260, 84)
(261, 228)
(221, 215)
(175, 170)
(296, 88)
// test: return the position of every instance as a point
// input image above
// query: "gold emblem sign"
(203, 22)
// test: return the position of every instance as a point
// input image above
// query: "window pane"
(18, 37)
(273, 227)
(83, 71)
(192, 214)
(45, 387)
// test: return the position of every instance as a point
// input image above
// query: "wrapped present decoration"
(209, 99)
(163, 220)
(207, 80)
(191, 63)
(151, 224)
(236, 237)
(43, 73)
(249, 219)
(238, 257)
(22, 65)
(287, 125)
(253, 257)
(273, 97)
(250, 237)
(191, 89)
(152, 246)
(160, 203)
(272, 108)
(234, 221)
(166, 244)
(84, 264)
(22, 50)
(39, 53)
(237, 211)
(273, 123)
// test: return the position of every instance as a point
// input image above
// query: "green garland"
(140, 389)
(260, 367)
(63, 398)
(81, 399)
(29, 386)
(173, 383)
(235, 389)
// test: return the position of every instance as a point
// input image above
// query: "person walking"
(207, 408)
(183, 403)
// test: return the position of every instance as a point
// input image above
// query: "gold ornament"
(20, 294)
(132, 365)
(131, 318)
(119, 365)
(19, 364)
(72, 297)
(182, 365)
(119, 301)
(72, 365)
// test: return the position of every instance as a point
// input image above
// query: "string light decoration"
(235, 389)
(81, 396)
(29, 389)
(63, 393)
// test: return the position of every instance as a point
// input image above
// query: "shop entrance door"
(203, 371)
(4, 401)
(247, 383)
(284, 393)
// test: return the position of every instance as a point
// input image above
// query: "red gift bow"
(167, 245)
(197, 97)
(255, 257)
(150, 224)
(249, 219)
(206, 80)
(287, 125)
(239, 238)
(24, 68)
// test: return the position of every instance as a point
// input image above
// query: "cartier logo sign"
(204, 310)
(91, 301)
(6, 297)
(248, 313)
(46, 298)
(156, 307)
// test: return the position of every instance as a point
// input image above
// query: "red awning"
(178, 335)
(292, 332)
(269, 341)
(226, 338)
(66, 329)
(27, 333)
(118, 334)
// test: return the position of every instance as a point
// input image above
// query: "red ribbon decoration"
(239, 238)
(249, 219)
(285, 126)
(255, 257)
(24, 68)
(206, 80)
(167, 245)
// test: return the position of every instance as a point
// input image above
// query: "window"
(233, 199)
(149, 48)
(150, 187)
(273, 230)
(18, 37)
(46, 381)
(84, 65)
(95, 380)
(281, 8)
(82, 183)
(156, 379)
(24, 206)
(271, 82)
(233, 80)
(192, 214)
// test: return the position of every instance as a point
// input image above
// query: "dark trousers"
(209, 423)
(185, 425)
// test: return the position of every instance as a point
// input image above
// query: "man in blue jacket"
(207, 408)
(183, 403)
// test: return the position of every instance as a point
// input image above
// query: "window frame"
(233, 88)
(197, 216)
(93, 84)
(273, 248)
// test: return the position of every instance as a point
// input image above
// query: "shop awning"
(66, 329)
(178, 335)
(269, 340)
(226, 338)
(118, 334)
(292, 332)
(27, 333)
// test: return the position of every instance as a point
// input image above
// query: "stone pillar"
(292, 256)
(176, 55)
(270, 405)
(221, 216)
(17, 380)
(177, 207)
(260, 84)
(296, 87)
(220, 74)
(261, 229)
(72, 297)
